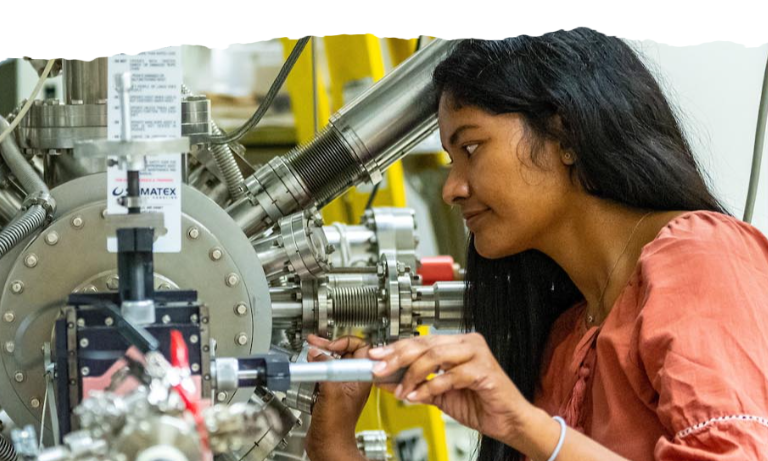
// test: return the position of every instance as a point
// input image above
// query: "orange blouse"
(678, 370)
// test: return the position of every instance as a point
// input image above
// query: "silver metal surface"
(81, 255)
(395, 233)
(440, 304)
(138, 312)
(373, 445)
(85, 82)
(355, 245)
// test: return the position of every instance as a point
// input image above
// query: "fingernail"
(379, 367)
(398, 391)
(380, 351)
(411, 396)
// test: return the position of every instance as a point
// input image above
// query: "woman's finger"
(317, 341)
(347, 344)
(461, 377)
(434, 359)
(316, 355)
(403, 353)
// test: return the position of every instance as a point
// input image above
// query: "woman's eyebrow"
(455, 136)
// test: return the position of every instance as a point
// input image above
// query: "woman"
(606, 285)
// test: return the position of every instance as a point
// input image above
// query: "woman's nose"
(455, 187)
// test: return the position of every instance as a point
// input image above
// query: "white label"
(155, 100)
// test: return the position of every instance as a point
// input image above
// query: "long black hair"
(593, 95)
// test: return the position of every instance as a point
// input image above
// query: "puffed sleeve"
(702, 338)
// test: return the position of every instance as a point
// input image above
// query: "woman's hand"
(471, 386)
(331, 434)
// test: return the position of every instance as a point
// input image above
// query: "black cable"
(273, 90)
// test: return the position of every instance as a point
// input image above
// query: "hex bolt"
(113, 282)
(17, 287)
(10, 346)
(104, 213)
(34, 403)
(166, 319)
(241, 309)
(193, 233)
(77, 222)
(330, 248)
(195, 367)
(193, 339)
(90, 289)
(52, 238)
(19, 377)
(31, 260)
(85, 371)
(232, 280)
(9, 317)
(109, 321)
(81, 322)
(84, 343)
(221, 396)
(216, 254)
(193, 318)
(241, 339)
(163, 286)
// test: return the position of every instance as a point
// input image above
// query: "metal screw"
(85, 371)
(9, 317)
(109, 321)
(232, 280)
(221, 396)
(193, 233)
(216, 254)
(35, 403)
(195, 367)
(81, 322)
(166, 319)
(193, 339)
(19, 377)
(113, 283)
(330, 248)
(241, 309)
(104, 213)
(84, 343)
(10, 346)
(77, 222)
(31, 260)
(193, 318)
(241, 339)
(163, 286)
(90, 289)
(52, 238)
(17, 287)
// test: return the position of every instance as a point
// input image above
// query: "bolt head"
(193, 339)
(85, 371)
(78, 222)
(17, 287)
(19, 377)
(113, 283)
(84, 343)
(104, 213)
(10, 346)
(195, 367)
(31, 260)
(109, 321)
(90, 289)
(232, 280)
(166, 319)
(193, 318)
(221, 396)
(216, 254)
(52, 238)
(163, 286)
(193, 233)
(9, 317)
(81, 322)
(241, 309)
(34, 403)
(241, 339)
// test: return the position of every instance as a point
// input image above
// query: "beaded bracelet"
(560, 442)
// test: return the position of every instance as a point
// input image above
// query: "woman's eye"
(470, 148)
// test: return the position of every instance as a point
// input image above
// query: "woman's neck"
(598, 244)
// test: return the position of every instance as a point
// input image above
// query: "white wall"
(716, 88)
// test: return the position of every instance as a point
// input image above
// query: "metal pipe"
(757, 153)
(21, 228)
(440, 304)
(28, 178)
(361, 141)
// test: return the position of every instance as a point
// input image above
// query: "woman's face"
(509, 202)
